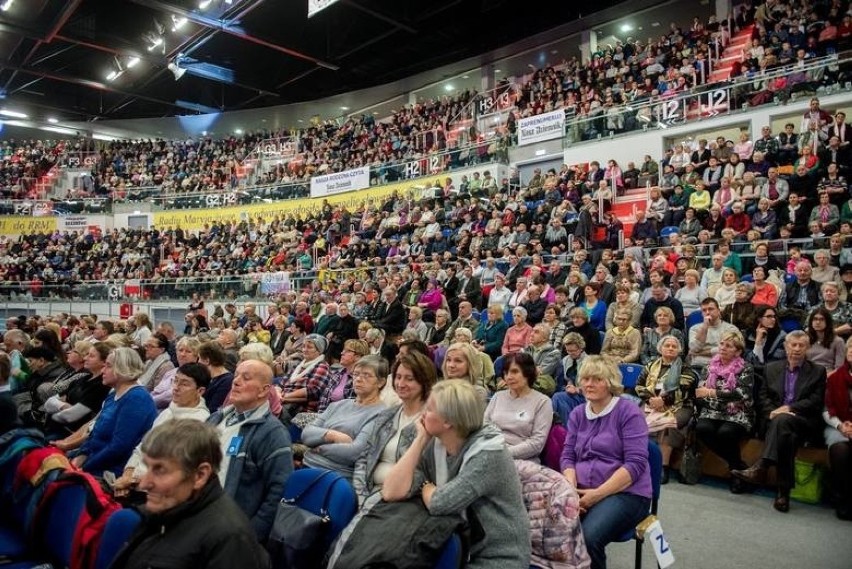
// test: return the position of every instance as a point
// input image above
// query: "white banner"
(542, 127)
(340, 182)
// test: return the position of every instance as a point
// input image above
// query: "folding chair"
(332, 494)
(655, 463)
(629, 375)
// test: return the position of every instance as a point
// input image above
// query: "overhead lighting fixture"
(448, 87)
(132, 62)
(6, 5)
(13, 114)
(344, 108)
(52, 120)
(176, 71)
(178, 22)
(238, 132)
(204, 4)
(498, 71)
(626, 27)
(117, 72)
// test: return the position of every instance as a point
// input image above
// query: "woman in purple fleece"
(606, 458)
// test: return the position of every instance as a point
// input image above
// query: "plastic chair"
(668, 231)
(59, 527)
(331, 493)
(629, 374)
(119, 527)
(451, 555)
(655, 463)
(747, 279)
(498, 367)
(692, 320)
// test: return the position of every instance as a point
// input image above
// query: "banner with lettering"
(339, 182)
(542, 127)
(26, 225)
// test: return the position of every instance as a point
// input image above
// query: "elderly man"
(257, 457)
(167, 329)
(468, 289)
(465, 320)
(704, 338)
(711, 280)
(227, 340)
(389, 314)
(182, 488)
(661, 296)
(546, 356)
(500, 294)
(534, 305)
(328, 320)
(775, 189)
(803, 293)
(791, 400)
(302, 313)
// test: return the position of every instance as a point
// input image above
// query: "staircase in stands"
(733, 52)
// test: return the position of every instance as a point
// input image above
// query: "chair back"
(692, 320)
(119, 527)
(552, 453)
(322, 491)
(451, 555)
(790, 323)
(60, 524)
(629, 374)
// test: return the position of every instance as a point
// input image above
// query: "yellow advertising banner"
(26, 225)
(193, 219)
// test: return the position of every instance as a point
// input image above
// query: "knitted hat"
(319, 341)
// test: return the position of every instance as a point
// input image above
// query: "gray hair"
(126, 364)
(187, 441)
(520, 310)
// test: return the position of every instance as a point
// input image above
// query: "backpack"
(93, 518)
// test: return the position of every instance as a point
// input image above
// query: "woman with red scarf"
(838, 434)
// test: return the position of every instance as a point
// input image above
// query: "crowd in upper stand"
(23, 162)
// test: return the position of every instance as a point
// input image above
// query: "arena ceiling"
(108, 59)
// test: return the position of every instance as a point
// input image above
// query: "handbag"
(659, 420)
(690, 463)
(809, 479)
(297, 539)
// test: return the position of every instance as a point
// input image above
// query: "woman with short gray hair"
(127, 414)
(517, 335)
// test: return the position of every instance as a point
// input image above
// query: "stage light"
(132, 62)
(176, 71)
(204, 4)
(13, 114)
(6, 5)
(178, 22)
(52, 120)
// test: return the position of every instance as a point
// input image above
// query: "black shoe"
(665, 478)
(737, 486)
(782, 503)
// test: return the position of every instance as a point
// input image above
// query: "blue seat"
(790, 323)
(655, 463)
(747, 279)
(320, 492)
(56, 533)
(508, 318)
(117, 531)
(451, 555)
(693, 319)
(629, 374)
(295, 433)
(498, 367)
(446, 232)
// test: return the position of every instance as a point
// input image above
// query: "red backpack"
(89, 529)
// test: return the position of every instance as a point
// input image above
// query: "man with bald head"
(257, 456)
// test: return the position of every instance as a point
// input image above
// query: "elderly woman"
(302, 389)
(292, 352)
(606, 458)
(394, 429)
(580, 324)
(665, 386)
(623, 342)
(622, 302)
(825, 214)
(691, 293)
(564, 402)
(339, 436)
(76, 370)
(518, 334)
(340, 377)
(458, 464)
(432, 299)
(838, 434)
(442, 324)
(84, 396)
(378, 345)
(127, 414)
(187, 352)
(764, 292)
(827, 349)
(741, 312)
(522, 414)
(142, 328)
(415, 322)
(158, 362)
(725, 400)
(491, 332)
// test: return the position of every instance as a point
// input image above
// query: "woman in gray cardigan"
(339, 435)
(392, 432)
(456, 464)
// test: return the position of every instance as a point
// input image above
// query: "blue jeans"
(609, 520)
(564, 403)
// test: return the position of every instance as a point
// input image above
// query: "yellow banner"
(193, 219)
(26, 225)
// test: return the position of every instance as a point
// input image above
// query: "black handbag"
(690, 463)
(298, 536)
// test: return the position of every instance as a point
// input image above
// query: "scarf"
(717, 371)
(151, 368)
(672, 380)
(304, 367)
(837, 393)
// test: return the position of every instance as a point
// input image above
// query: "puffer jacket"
(553, 506)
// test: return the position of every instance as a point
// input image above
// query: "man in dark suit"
(515, 270)
(390, 314)
(835, 153)
(468, 288)
(791, 403)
